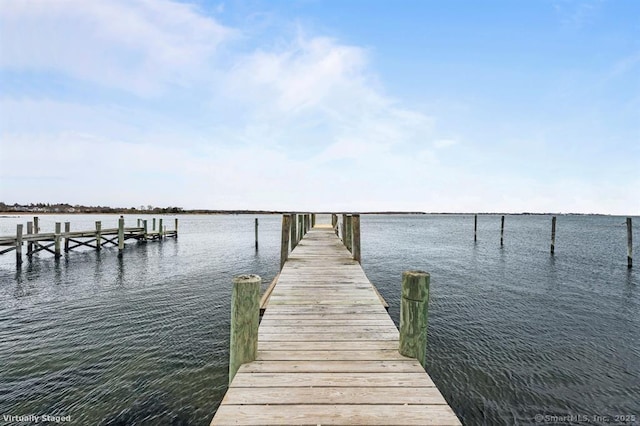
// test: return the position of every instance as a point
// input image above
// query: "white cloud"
(139, 46)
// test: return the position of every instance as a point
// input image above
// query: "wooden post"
(349, 233)
(502, 231)
(629, 243)
(154, 224)
(356, 237)
(553, 235)
(300, 227)
(145, 226)
(98, 235)
(245, 316)
(307, 219)
(67, 229)
(121, 235)
(313, 220)
(414, 307)
(294, 231)
(343, 229)
(334, 222)
(475, 227)
(256, 232)
(160, 229)
(19, 244)
(29, 244)
(56, 239)
(138, 222)
(284, 242)
(176, 224)
(36, 226)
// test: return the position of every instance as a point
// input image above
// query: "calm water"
(513, 332)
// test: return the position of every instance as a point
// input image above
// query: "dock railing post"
(29, 244)
(300, 228)
(121, 236)
(294, 231)
(356, 237)
(67, 229)
(475, 227)
(98, 235)
(245, 316)
(629, 243)
(349, 233)
(36, 224)
(256, 232)
(308, 216)
(334, 222)
(414, 307)
(502, 231)
(553, 235)
(56, 239)
(284, 242)
(343, 229)
(19, 244)
(313, 220)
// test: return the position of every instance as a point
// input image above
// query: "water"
(513, 332)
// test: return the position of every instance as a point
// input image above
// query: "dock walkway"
(328, 352)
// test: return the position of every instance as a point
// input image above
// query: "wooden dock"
(54, 242)
(328, 351)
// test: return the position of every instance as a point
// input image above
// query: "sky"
(325, 105)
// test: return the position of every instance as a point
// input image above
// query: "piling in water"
(414, 306)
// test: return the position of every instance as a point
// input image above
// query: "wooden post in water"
(138, 222)
(19, 244)
(284, 241)
(154, 224)
(356, 237)
(629, 243)
(349, 233)
(553, 235)
(29, 244)
(256, 232)
(36, 224)
(56, 239)
(502, 231)
(475, 227)
(160, 229)
(176, 225)
(98, 235)
(121, 236)
(67, 229)
(245, 317)
(414, 307)
(294, 231)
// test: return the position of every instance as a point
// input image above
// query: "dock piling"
(313, 220)
(343, 229)
(475, 228)
(29, 244)
(501, 231)
(36, 224)
(245, 316)
(19, 244)
(153, 228)
(355, 219)
(160, 229)
(67, 229)
(300, 228)
(284, 242)
(414, 306)
(56, 239)
(176, 225)
(349, 233)
(294, 231)
(256, 232)
(120, 235)
(145, 231)
(98, 235)
(553, 235)
(629, 243)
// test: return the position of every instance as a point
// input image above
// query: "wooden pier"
(96, 238)
(326, 351)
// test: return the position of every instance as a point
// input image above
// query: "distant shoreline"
(13, 213)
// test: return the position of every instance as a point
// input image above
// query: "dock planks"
(328, 352)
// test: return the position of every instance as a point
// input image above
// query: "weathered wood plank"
(267, 380)
(333, 366)
(327, 355)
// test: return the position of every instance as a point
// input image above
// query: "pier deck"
(328, 352)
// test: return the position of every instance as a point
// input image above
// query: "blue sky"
(437, 106)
